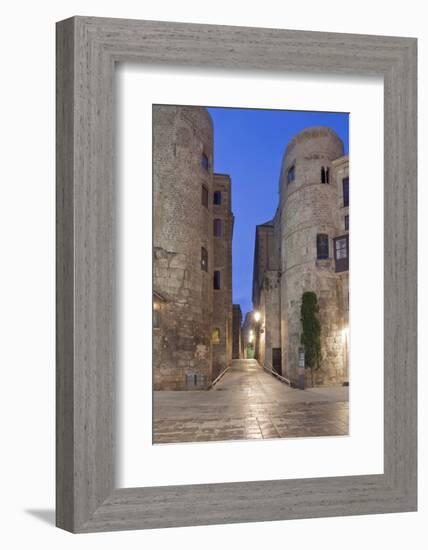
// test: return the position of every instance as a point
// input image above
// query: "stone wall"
(222, 263)
(182, 226)
(270, 326)
(248, 327)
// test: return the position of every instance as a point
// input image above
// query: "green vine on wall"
(311, 333)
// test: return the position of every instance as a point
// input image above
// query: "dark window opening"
(325, 175)
(276, 360)
(204, 197)
(204, 259)
(291, 174)
(217, 197)
(217, 280)
(204, 162)
(322, 246)
(217, 227)
(341, 253)
(345, 188)
(347, 223)
(156, 315)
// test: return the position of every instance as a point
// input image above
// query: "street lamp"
(257, 316)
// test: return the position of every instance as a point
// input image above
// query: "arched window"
(215, 336)
(291, 174)
(205, 162)
(322, 246)
(217, 227)
(325, 175)
(204, 196)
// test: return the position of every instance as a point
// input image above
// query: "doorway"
(276, 360)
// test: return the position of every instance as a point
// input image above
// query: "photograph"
(250, 274)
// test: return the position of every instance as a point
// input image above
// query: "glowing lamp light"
(257, 316)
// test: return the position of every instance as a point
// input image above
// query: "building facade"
(237, 348)
(306, 248)
(192, 258)
(248, 337)
(222, 274)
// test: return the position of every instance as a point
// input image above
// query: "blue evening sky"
(249, 145)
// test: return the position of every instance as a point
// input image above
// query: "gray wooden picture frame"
(87, 50)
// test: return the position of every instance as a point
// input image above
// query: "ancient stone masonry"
(237, 348)
(192, 335)
(222, 274)
(306, 248)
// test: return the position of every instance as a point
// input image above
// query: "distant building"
(248, 336)
(305, 247)
(192, 249)
(237, 350)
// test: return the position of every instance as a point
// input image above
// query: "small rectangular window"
(204, 259)
(215, 336)
(217, 227)
(204, 162)
(204, 197)
(217, 285)
(156, 315)
(346, 223)
(322, 246)
(345, 189)
(341, 253)
(217, 197)
(341, 249)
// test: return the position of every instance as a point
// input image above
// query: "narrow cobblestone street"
(249, 403)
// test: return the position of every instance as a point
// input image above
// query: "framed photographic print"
(236, 322)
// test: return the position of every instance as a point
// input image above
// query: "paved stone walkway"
(249, 403)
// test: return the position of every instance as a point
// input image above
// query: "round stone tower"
(182, 241)
(309, 199)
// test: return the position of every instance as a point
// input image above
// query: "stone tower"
(309, 224)
(183, 247)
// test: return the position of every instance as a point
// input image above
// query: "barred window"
(322, 246)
